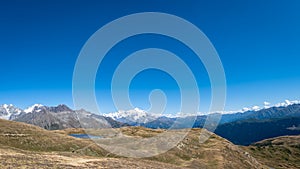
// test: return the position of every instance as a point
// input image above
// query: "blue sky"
(258, 44)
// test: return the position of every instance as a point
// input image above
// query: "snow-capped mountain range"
(56, 117)
(10, 112)
(63, 115)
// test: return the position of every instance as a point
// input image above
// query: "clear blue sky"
(258, 43)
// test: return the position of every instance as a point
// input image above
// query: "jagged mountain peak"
(60, 108)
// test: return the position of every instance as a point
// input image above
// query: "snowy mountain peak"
(138, 109)
(8, 110)
(5, 106)
(35, 107)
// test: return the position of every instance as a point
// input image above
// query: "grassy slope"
(278, 152)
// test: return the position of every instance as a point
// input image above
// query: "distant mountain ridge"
(292, 110)
(138, 117)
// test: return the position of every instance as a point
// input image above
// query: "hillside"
(279, 152)
(26, 145)
(250, 131)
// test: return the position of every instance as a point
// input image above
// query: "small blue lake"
(86, 136)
